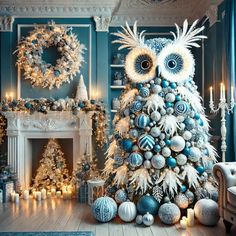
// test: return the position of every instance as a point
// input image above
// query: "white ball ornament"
(156, 89)
(148, 219)
(158, 161)
(147, 164)
(181, 159)
(181, 201)
(169, 213)
(177, 143)
(170, 97)
(139, 219)
(155, 132)
(155, 115)
(127, 211)
(187, 135)
(148, 155)
(194, 154)
(121, 196)
(166, 152)
(190, 195)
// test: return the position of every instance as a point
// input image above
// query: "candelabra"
(223, 107)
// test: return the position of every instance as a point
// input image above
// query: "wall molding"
(102, 23)
(6, 23)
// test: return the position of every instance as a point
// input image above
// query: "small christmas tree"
(52, 172)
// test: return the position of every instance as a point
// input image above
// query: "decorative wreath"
(41, 73)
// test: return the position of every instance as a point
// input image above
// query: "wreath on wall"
(40, 73)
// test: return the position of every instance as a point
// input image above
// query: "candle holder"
(223, 107)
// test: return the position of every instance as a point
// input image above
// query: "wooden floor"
(61, 215)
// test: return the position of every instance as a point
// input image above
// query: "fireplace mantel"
(22, 127)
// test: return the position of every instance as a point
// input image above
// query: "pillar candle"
(17, 198)
(26, 195)
(183, 224)
(65, 194)
(232, 94)
(211, 94)
(13, 196)
(38, 196)
(190, 216)
(58, 194)
(69, 193)
(53, 191)
(44, 194)
(34, 194)
(223, 91)
(49, 194)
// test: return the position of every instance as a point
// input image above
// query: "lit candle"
(44, 194)
(232, 94)
(38, 196)
(69, 194)
(224, 92)
(17, 198)
(65, 194)
(26, 195)
(221, 91)
(11, 96)
(49, 194)
(183, 224)
(34, 194)
(13, 196)
(211, 94)
(7, 97)
(53, 191)
(58, 194)
(190, 216)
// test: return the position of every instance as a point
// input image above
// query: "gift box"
(7, 188)
(83, 193)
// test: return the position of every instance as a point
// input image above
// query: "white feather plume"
(206, 125)
(112, 148)
(154, 102)
(212, 152)
(211, 189)
(192, 175)
(142, 180)
(122, 127)
(128, 97)
(129, 38)
(121, 175)
(188, 38)
(193, 98)
(170, 181)
(169, 124)
(108, 169)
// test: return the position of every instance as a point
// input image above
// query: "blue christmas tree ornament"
(157, 148)
(173, 85)
(168, 142)
(178, 98)
(142, 120)
(196, 116)
(135, 159)
(146, 142)
(149, 204)
(171, 162)
(127, 144)
(200, 169)
(164, 83)
(136, 106)
(144, 92)
(183, 188)
(186, 151)
(169, 104)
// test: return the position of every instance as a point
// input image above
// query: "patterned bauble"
(158, 161)
(147, 164)
(121, 196)
(156, 116)
(207, 212)
(127, 144)
(181, 108)
(189, 123)
(118, 160)
(139, 219)
(190, 195)
(104, 209)
(170, 97)
(127, 211)
(155, 132)
(142, 121)
(144, 92)
(194, 154)
(135, 159)
(171, 162)
(146, 142)
(136, 106)
(169, 213)
(148, 155)
(177, 143)
(181, 201)
(187, 135)
(146, 204)
(133, 133)
(148, 219)
(166, 152)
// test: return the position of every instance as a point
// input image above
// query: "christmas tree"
(52, 172)
(161, 135)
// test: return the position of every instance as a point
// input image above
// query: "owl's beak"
(158, 71)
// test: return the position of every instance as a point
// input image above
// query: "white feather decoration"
(206, 125)
(169, 124)
(192, 175)
(122, 127)
(170, 181)
(128, 98)
(142, 179)
(212, 152)
(188, 38)
(108, 169)
(129, 39)
(211, 189)
(193, 98)
(112, 148)
(115, 119)
(121, 175)
(154, 102)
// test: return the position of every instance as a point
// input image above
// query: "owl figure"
(161, 135)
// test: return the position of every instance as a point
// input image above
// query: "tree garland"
(41, 73)
(43, 105)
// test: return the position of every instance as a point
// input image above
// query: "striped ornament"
(181, 108)
(135, 159)
(142, 121)
(136, 106)
(144, 92)
(146, 142)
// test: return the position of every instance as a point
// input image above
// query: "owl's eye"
(176, 63)
(141, 64)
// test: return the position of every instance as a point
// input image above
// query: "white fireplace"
(23, 127)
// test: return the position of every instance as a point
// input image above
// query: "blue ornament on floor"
(144, 92)
(121, 196)
(135, 159)
(181, 108)
(171, 162)
(146, 204)
(146, 142)
(136, 106)
(127, 144)
(169, 213)
(104, 209)
(142, 120)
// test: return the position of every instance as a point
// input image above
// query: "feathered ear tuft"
(129, 39)
(188, 38)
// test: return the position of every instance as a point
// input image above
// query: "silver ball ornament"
(181, 201)
(177, 143)
(187, 135)
(148, 155)
(155, 116)
(156, 89)
(139, 219)
(147, 164)
(170, 97)
(166, 152)
(181, 159)
(155, 132)
(158, 161)
(148, 219)
(190, 195)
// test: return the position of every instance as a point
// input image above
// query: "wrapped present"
(7, 188)
(83, 193)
